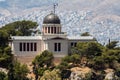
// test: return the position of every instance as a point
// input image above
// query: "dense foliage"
(3, 76)
(18, 71)
(51, 75)
(86, 54)
(95, 56)
(42, 62)
(20, 28)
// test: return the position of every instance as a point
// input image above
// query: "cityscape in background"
(101, 18)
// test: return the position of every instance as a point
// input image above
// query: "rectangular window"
(35, 46)
(73, 44)
(24, 46)
(55, 47)
(54, 29)
(31, 46)
(20, 46)
(59, 46)
(28, 47)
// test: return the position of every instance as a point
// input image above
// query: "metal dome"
(51, 19)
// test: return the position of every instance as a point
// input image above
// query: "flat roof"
(80, 37)
(40, 37)
(26, 37)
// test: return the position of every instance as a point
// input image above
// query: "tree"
(79, 49)
(63, 66)
(7, 50)
(3, 39)
(74, 58)
(112, 45)
(88, 49)
(42, 62)
(18, 71)
(5, 61)
(85, 34)
(44, 59)
(110, 56)
(2, 76)
(6, 57)
(93, 49)
(98, 63)
(21, 28)
(51, 75)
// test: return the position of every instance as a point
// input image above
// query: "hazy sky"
(2, 0)
(100, 6)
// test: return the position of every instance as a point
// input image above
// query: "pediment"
(57, 38)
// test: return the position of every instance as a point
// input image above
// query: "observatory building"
(51, 38)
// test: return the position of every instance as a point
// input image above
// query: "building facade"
(51, 38)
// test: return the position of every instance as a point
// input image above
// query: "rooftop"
(80, 37)
(26, 37)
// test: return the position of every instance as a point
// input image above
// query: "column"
(60, 29)
(57, 30)
(49, 30)
(45, 29)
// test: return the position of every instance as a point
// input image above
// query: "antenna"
(54, 7)
(109, 41)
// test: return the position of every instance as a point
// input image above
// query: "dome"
(51, 19)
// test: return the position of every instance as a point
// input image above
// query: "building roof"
(26, 37)
(80, 38)
(51, 19)
(40, 37)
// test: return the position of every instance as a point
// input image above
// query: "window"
(73, 44)
(28, 47)
(54, 29)
(57, 47)
(31, 45)
(20, 46)
(35, 46)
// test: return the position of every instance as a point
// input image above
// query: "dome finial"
(54, 7)
(51, 12)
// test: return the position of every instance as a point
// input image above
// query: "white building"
(51, 39)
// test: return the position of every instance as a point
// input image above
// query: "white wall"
(64, 47)
(17, 52)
